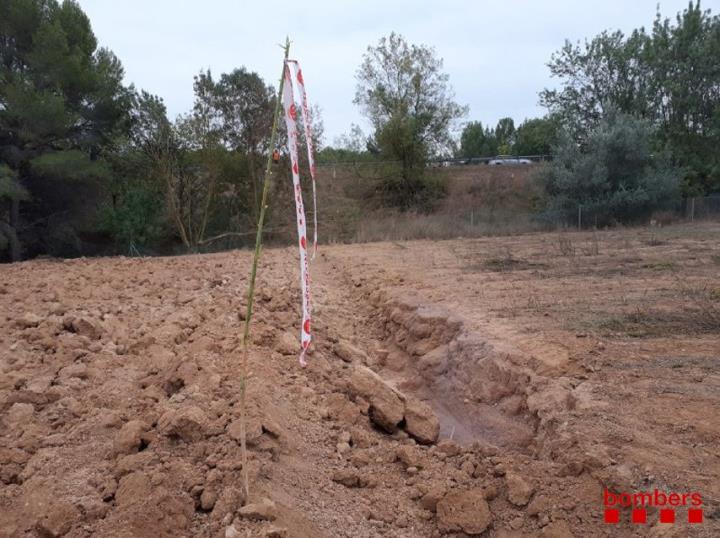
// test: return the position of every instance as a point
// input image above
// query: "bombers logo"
(639, 502)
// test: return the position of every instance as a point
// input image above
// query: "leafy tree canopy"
(61, 103)
(615, 174)
(404, 93)
(669, 75)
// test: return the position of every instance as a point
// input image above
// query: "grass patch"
(660, 266)
(565, 246)
(508, 263)
(697, 319)
(623, 325)
(476, 261)
(655, 241)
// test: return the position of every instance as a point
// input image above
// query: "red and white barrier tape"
(297, 77)
(293, 74)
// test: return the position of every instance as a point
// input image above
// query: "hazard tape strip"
(299, 81)
(292, 71)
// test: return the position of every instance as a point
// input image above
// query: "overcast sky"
(494, 51)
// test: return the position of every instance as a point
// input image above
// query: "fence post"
(580, 217)
(692, 209)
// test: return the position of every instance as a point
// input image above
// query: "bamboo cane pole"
(253, 274)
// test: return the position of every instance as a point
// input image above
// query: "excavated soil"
(558, 365)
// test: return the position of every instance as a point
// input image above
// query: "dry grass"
(593, 246)
(687, 310)
(687, 320)
(510, 264)
(566, 246)
(386, 226)
(654, 241)
(639, 282)
(481, 201)
(473, 259)
(660, 266)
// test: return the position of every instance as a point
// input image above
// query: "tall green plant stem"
(253, 273)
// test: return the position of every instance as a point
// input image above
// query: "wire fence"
(497, 160)
(473, 201)
(674, 210)
(707, 207)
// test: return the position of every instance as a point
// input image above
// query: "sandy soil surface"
(517, 378)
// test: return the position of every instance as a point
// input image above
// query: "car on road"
(505, 160)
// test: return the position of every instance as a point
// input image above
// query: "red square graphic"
(695, 515)
(639, 515)
(667, 515)
(612, 515)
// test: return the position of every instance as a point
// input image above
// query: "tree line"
(634, 125)
(535, 136)
(640, 116)
(667, 77)
(91, 165)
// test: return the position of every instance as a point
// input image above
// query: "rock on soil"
(352, 479)
(19, 413)
(129, 438)
(449, 447)
(208, 498)
(389, 407)
(188, 423)
(78, 370)
(58, 519)
(51, 516)
(133, 488)
(464, 510)
(349, 353)
(420, 421)
(276, 532)
(433, 495)
(341, 409)
(253, 430)
(264, 510)
(409, 456)
(519, 491)
(85, 327)
(386, 408)
(29, 320)
(287, 344)
(228, 501)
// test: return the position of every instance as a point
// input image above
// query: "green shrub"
(135, 219)
(614, 176)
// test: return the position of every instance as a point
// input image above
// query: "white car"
(507, 160)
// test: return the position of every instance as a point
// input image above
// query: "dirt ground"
(558, 365)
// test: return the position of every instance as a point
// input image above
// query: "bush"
(136, 219)
(615, 176)
(420, 193)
